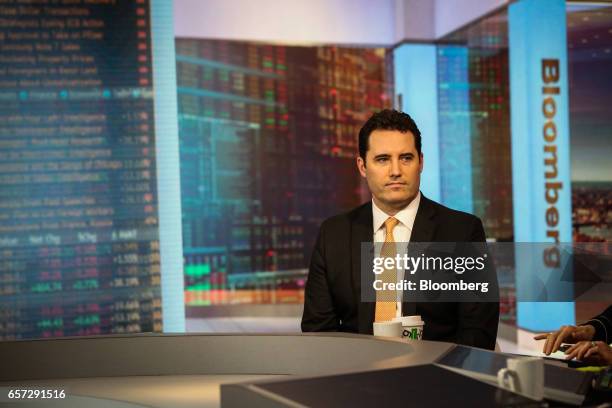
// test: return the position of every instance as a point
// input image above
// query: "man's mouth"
(395, 184)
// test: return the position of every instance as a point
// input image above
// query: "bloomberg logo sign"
(541, 185)
(552, 185)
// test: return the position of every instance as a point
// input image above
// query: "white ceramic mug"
(524, 376)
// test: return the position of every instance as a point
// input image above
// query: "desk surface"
(187, 370)
(163, 391)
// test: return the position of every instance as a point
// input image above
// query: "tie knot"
(390, 224)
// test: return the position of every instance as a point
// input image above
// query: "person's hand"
(566, 334)
(594, 352)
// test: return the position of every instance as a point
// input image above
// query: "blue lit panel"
(540, 145)
(417, 83)
(454, 121)
(168, 176)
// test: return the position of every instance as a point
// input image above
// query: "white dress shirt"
(401, 232)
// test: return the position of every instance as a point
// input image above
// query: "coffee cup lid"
(409, 320)
(388, 323)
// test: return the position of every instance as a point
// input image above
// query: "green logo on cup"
(412, 333)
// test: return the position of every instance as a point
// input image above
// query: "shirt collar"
(406, 215)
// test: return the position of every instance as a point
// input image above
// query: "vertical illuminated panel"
(416, 81)
(168, 175)
(454, 115)
(540, 145)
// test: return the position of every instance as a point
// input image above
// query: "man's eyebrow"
(378, 156)
(407, 154)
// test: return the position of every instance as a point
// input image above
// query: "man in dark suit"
(391, 161)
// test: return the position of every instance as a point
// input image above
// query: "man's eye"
(406, 158)
(382, 159)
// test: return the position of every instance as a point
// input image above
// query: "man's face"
(392, 169)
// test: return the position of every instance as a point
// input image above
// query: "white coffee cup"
(388, 329)
(524, 376)
(412, 327)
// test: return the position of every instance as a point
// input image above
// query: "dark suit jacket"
(332, 297)
(603, 326)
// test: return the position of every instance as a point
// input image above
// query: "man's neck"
(391, 210)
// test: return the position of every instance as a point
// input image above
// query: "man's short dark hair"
(388, 119)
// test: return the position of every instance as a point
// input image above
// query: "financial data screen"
(268, 140)
(79, 244)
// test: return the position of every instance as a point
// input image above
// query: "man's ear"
(421, 163)
(361, 166)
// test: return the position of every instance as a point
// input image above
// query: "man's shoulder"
(451, 225)
(446, 215)
(343, 220)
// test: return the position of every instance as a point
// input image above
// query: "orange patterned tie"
(386, 300)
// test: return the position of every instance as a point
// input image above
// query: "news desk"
(188, 370)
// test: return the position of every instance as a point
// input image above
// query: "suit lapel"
(361, 231)
(423, 230)
(424, 226)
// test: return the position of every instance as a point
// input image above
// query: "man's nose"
(395, 168)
